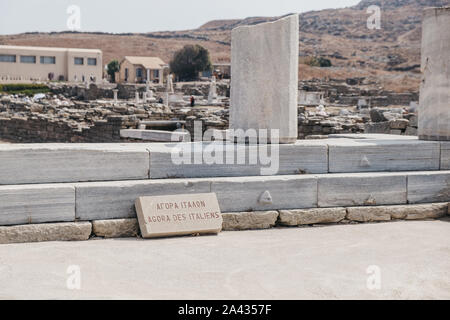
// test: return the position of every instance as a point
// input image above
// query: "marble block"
(264, 82)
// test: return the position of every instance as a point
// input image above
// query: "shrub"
(189, 61)
(318, 62)
(112, 68)
(24, 88)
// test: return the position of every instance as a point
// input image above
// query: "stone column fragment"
(434, 109)
(264, 81)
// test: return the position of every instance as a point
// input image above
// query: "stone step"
(218, 159)
(61, 162)
(232, 221)
(115, 199)
(54, 163)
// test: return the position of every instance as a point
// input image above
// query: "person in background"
(192, 101)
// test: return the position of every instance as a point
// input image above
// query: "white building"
(19, 63)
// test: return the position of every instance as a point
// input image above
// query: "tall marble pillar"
(264, 81)
(434, 107)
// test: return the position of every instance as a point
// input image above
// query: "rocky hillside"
(391, 55)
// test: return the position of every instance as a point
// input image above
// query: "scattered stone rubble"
(401, 121)
(57, 118)
(319, 123)
(80, 113)
(351, 91)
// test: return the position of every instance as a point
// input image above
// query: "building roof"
(49, 49)
(146, 62)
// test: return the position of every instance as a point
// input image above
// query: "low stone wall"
(384, 100)
(37, 130)
(94, 91)
(202, 88)
(236, 221)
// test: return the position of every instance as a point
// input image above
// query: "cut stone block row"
(339, 155)
(232, 221)
(112, 200)
(115, 200)
(52, 163)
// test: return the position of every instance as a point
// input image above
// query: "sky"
(121, 16)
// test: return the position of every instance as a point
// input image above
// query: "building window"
(7, 58)
(155, 73)
(28, 59)
(48, 60)
(92, 61)
(139, 72)
(79, 61)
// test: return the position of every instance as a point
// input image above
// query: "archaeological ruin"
(77, 158)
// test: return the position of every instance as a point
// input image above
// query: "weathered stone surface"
(23, 204)
(383, 155)
(434, 118)
(50, 163)
(179, 215)
(301, 157)
(361, 189)
(369, 214)
(312, 216)
(264, 85)
(115, 200)
(429, 187)
(427, 211)
(118, 228)
(408, 212)
(445, 155)
(249, 220)
(75, 231)
(243, 194)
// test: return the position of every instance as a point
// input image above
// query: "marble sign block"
(178, 215)
(264, 81)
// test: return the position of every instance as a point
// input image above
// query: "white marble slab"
(376, 155)
(265, 193)
(36, 204)
(359, 189)
(427, 187)
(217, 159)
(51, 163)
